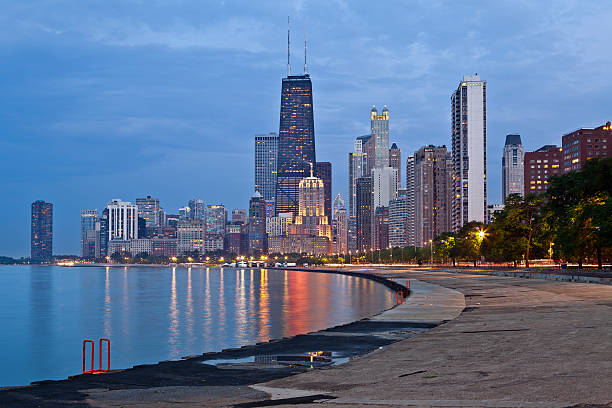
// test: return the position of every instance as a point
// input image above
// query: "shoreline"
(231, 353)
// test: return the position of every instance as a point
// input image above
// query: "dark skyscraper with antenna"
(296, 143)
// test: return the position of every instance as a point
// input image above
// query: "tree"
(469, 240)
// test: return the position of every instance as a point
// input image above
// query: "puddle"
(310, 359)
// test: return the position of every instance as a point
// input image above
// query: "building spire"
(311, 170)
(288, 49)
(305, 65)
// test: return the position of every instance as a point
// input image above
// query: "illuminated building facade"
(41, 244)
(216, 219)
(398, 220)
(340, 226)
(266, 152)
(190, 235)
(469, 138)
(196, 209)
(584, 144)
(150, 211)
(432, 192)
(395, 161)
(365, 206)
(379, 126)
(361, 162)
(90, 233)
(410, 202)
(540, 166)
(122, 220)
(513, 167)
(257, 236)
(311, 219)
(296, 141)
(381, 228)
(323, 170)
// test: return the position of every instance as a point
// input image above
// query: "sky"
(123, 99)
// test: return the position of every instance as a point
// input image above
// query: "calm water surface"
(160, 313)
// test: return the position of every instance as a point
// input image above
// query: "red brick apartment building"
(540, 166)
(583, 144)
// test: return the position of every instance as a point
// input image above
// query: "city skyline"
(59, 163)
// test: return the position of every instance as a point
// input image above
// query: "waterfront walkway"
(519, 343)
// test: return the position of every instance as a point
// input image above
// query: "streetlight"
(391, 253)
(431, 251)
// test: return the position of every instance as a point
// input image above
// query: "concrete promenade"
(518, 343)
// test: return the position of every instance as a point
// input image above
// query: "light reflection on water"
(158, 313)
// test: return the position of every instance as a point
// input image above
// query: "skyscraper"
(311, 219)
(359, 160)
(196, 210)
(340, 226)
(41, 248)
(385, 185)
(395, 161)
(257, 224)
(398, 220)
(239, 216)
(296, 141)
(432, 191)
(469, 137)
(216, 218)
(410, 222)
(323, 170)
(266, 152)
(104, 233)
(513, 167)
(365, 206)
(379, 125)
(122, 220)
(90, 233)
(150, 211)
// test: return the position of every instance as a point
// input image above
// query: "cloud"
(239, 34)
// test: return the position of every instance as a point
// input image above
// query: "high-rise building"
(90, 233)
(385, 185)
(379, 125)
(469, 137)
(196, 209)
(279, 226)
(365, 206)
(296, 141)
(395, 161)
(584, 144)
(381, 228)
(360, 164)
(190, 235)
(323, 170)
(540, 166)
(340, 226)
(410, 222)
(150, 211)
(398, 220)
(513, 168)
(104, 233)
(311, 219)
(184, 213)
(257, 224)
(239, 216)
(122, 220)
(235, 239)
(432, 192)
(266, 153)
(216, 219)
(41, 248)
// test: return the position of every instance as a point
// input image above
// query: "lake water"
(160, 313)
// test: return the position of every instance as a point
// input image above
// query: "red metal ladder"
(100, 369)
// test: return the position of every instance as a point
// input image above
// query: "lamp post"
(431, 251)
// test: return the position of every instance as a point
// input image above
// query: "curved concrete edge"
(427, 303)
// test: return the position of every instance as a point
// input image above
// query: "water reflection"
(153, 313)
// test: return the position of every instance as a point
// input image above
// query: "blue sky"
(120, 99)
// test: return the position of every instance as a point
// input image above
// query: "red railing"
(100, 370)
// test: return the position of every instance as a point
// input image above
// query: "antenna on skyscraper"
(288, 49)
(305, 65)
